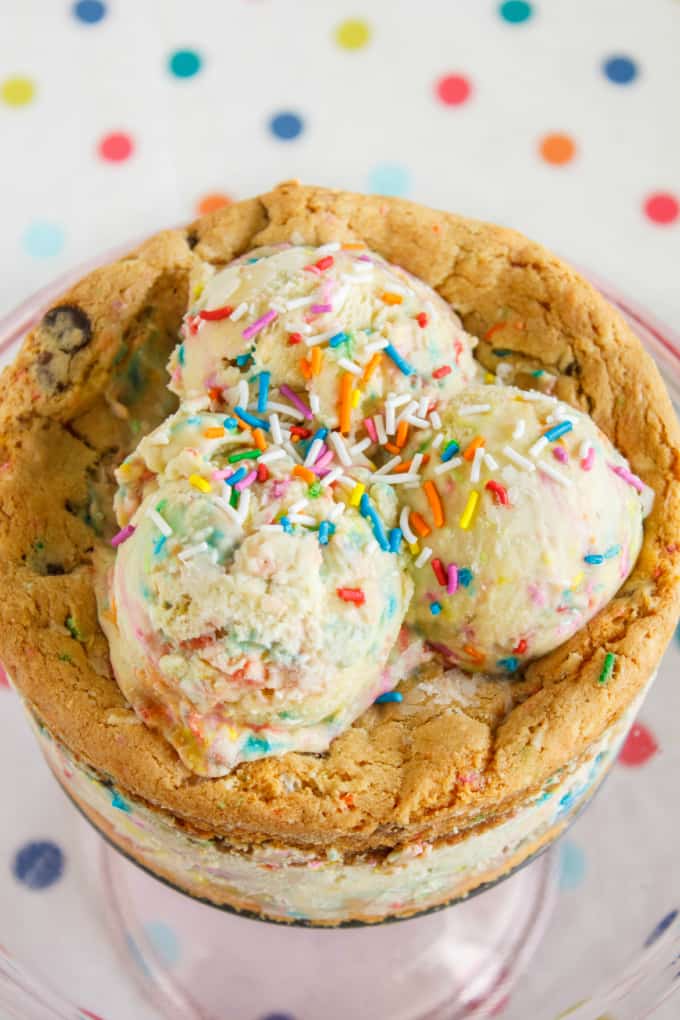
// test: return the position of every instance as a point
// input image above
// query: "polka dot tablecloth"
(119, 117)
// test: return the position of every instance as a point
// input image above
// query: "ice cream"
(528, 521)
(250, 610)
(318, 319)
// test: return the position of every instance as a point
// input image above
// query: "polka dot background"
(508, 111)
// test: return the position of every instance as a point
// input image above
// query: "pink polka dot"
(662, 207)
(116, 147)
(640, 745)
(453, 89)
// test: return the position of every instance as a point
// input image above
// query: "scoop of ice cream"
(250, 610)
(527, 521)
(336, 323)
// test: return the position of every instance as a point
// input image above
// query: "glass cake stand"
(589, 930)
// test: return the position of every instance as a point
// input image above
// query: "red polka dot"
(116, 147)
(662, 207)
(453, 89)
(211, 202)
(639, 747)
(4, 682)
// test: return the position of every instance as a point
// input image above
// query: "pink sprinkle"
(320, 309)
(122, 535)
(245, 482)
(218, 476)
(365, 258)
(451, 579)
(628, 476)
(589, 459)
(369, 425)
(559, 453)
(255, 327)
(313, 269)
(322, 462)
(280, 488)
(294, 399)
(323, 450)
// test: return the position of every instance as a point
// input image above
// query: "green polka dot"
(515, 11)
(184, 63)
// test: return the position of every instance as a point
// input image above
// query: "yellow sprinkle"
(356, 396)
(198, 290)
(200, 483)
(489, 377)
(468, 512)
(357, 493)
(414, 548)
(124, 468)
(577, 580)
(233, 732)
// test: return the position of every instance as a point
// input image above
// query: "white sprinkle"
(398, 399)
(196, 404)
(243, 394)
(406, 527)
(424, 556)
(193, 550)
(239, 312)
(518, 459)
(328, 249)
(411, 406)
(314, 403)
(464, 412)
(380, 428)
(549, 470)
(298, 302)
(297, 237)
(390, 419)
(490, 462)
(362, 267)
(416, 462)
(302, 519)
(436, 419)
(228, 509)
(159, 439)
(338, 444)
(520, 429)
(337, 511)
(538, 447)
(299, 505)
(320, 338)
(535, 395)
(388, 466)
(271, 455)
(313, 453)
(419, 423)
(423, 406)
(292, 412)
(160, 523)
(270, 527)
(375, 346)
(399, 479)
(338, 300)
(350, 366)
(360, 447)
(292, 452)
(448, 465)
(243, 505)
(437, 441)
(305, 329)
(476, 468)
(275, 426)
(584, 449)
(332, 476)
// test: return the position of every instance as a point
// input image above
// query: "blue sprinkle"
(338, 339)
(326, 530)
(663, 926)
(537, 373)
(612, 551)
(237, 476)
(118, 802)
(450, 450)
(368, 511)
(511, 663)
(251, 419)
(558, 430)
(465, 576)
(594, 558)
(194, 420)
(435, 608)
(256, 745)
(263, 391)
(286, 525)
(501, 352)
(320, 434)
(244, 359)
(249, 262)
(180, 354)
(396, 357)
(394, 539)
(230, 423)
(389, 696)
(158, 545)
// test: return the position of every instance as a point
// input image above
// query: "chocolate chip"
(54, 569)
(69, 327)
(192, 239)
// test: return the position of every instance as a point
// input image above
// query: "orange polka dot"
(557, 149)
(214, 200)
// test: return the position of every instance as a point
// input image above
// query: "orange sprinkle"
(402, 468)
(305, 368)
(215, 394)
(419, 524)
(474, 653)
(316, 360)
(390, 298)
(214, 433)
(295, 438)
(245, 426)
(494, 329)
(353, 246)
(346, 387)
(392, 448)
(304, 473)
(473, 446)
(402, 433)
(260, 441)
(435, 502)
(371, 367)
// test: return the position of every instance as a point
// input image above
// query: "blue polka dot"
(572, 865)
(278, 1016)
(286, 125)
(389, 179)
(184, 63)
(164, 941)
(620, 70)
(38, 865)
(663, 925)
(43, 240)
(89, 11)
(515, 11)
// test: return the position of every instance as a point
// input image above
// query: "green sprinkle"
(160, 507)
(538, 373)
(244, 455)
(63, 657)
(72, 628)
(608, 668)
(233, 498)
(314, 490)
(39, 545)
